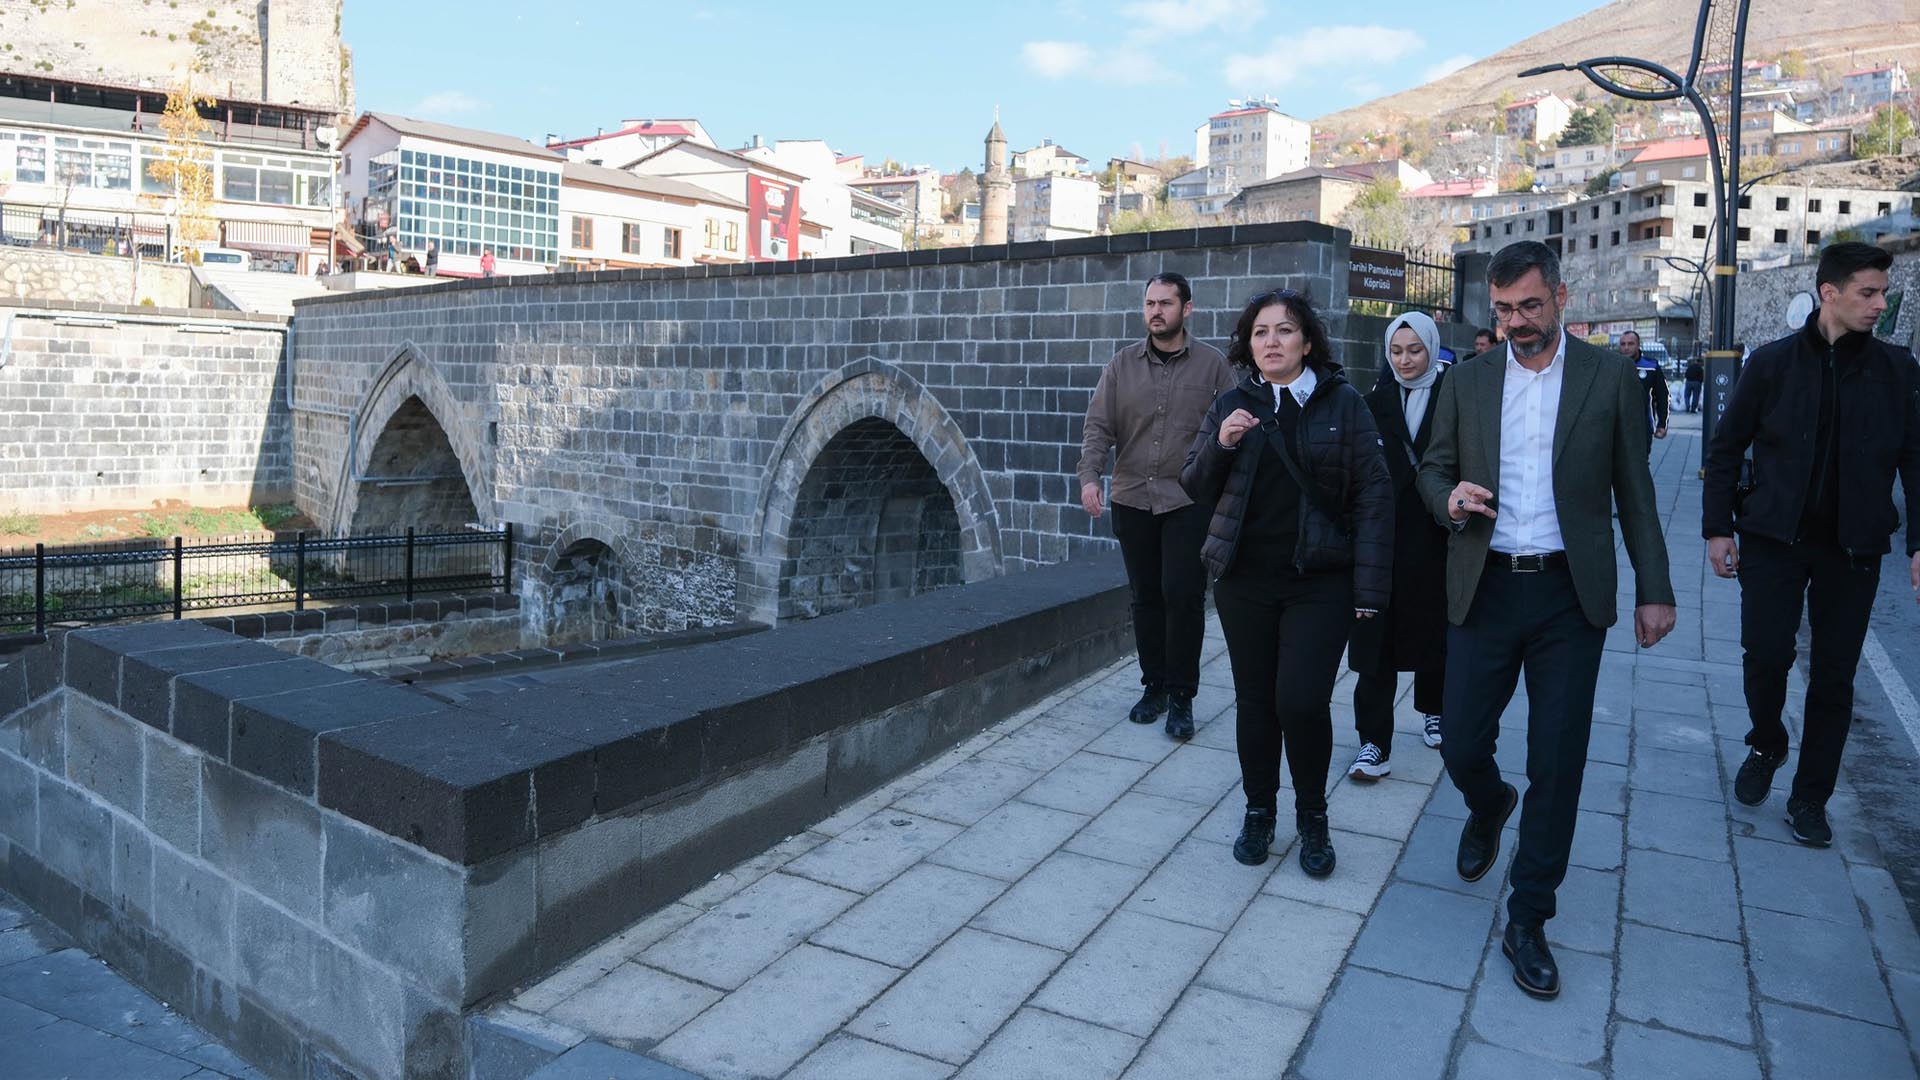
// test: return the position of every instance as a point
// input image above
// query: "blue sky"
(915, 81)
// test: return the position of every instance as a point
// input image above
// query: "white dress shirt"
(1527, 522)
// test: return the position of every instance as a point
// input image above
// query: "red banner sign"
(773, 220)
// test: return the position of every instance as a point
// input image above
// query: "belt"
(1526, 564)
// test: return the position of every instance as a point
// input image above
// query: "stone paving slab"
(1057, 898)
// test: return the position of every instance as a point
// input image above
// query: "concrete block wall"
(100, 279)
(670, 410)
(105, 406)
(325, 871)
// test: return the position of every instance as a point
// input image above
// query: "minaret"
(996, 188)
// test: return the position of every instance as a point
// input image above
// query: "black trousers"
(1531, 623)
(1284, 639)
(1693, 396)
(1169, 585)
(1838, 590)
(1373, 702)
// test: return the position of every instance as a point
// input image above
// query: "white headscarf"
(1420, 389)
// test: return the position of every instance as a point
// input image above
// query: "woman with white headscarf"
(1411, 634)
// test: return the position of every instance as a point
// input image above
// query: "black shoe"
(1809, 823)
(1180, 717)
(1755, 778)
(1148, 709)
(1316, 848)
(1256, 836)
(1480, 839)
(1534, 971)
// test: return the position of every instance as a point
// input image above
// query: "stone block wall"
(1762, 296)
(110, 406)
(325, 871)
(675, 413)
(31, 273)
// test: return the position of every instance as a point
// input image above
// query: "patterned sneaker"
(1371, 764)
(1430, 731)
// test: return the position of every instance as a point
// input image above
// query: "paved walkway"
(1056, 898)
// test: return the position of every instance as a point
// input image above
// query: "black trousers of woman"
(1373, 694)
(1285, 634)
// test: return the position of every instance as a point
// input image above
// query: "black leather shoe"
(1316, 847)
(1148, 709)
(1755, 778)
(1480, 839)
(1180, 717)
(1534, 971)
(1256, 836)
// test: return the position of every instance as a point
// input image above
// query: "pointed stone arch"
(409, 391)
(856, 403)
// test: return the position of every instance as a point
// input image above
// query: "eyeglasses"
(1529, 309)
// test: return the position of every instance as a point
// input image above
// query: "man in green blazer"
(1533, 446)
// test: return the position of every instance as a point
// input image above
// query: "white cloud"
(1447, 67)
(443, 104)
(1339, 48)
(1055, 59)
(1169, 17)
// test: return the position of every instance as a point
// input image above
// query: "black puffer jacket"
(1339, 447)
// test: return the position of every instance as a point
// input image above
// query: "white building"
(465, 191)
(777, 230)
(613, 220)
(1539, 118)
(853, 221)
(1574, 166)
(632, 139)
(1054, 208)
(918, 195)
(1048, 159)
(1253, 141)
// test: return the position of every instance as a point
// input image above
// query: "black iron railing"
(100, 583)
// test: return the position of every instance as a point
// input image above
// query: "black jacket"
(1411, 634)
(1339, 448)
(1774, 410)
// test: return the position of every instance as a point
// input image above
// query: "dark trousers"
(1162, 553)
(1839, 592)
(1529, 622)
(1284, 639)
(1373, 702)
(1693, 396)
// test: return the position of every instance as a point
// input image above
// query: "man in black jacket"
(1828, 412)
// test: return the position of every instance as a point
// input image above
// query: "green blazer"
(1599, 461)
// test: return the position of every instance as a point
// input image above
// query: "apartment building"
(614, 220)
(1047, 159)
(1253, 141)
(1539, 118)
(1054, 208)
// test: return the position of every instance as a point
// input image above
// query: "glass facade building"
(465, 204)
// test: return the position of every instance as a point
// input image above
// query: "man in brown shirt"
(1144, 414)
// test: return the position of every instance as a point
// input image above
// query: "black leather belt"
(1526, 564)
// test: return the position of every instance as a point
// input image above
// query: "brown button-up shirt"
(1144, 415)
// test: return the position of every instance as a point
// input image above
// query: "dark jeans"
(1285, 635)
(1839, 592)
(1529, 622)
(1693, 396)
(1373, 702)
(1169, 584)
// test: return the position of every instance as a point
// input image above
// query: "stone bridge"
(761, 442)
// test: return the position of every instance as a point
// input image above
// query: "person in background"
(1300, 544)
(1829, 413)
(1483, 341)
(433, 260)
(486, 262)
(1148, 404)
(1696, 380)
(1653, 381)
(1411, 633)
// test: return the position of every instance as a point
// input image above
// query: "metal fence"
(87, 231)
(100, 583)
(1429, 284)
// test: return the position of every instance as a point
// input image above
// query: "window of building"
(1746, 234)
(27, 154)
(1593, 241)
(446, 198)
(1746, 202)
(1529, 224)
(629, 238)
(1595, 212)
(582, 236)
(91, 163)
(1782, 203)
(1489, 232)
(1885, 208)
(1699, 198)
(1509, 228)
(1614, 239)
(671, 246)
(1813, 206)
(1813, 237)
(1846, 206)
(1779, 236)
(1699, 232)
(733, 236)
(1616, 206)
(279, 181)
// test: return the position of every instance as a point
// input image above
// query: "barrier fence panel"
(135, 579)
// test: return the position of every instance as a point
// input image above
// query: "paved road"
(1056, 898)
(1881, 753)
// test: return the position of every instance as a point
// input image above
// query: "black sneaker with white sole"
(1755, 778)
(1809, 823)
(1370, 764)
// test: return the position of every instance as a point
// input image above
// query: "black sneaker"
(1148, 709)
(1180, 717)
(1256, 836)
(1316, 847)
(1755, 778)
(1809, 823)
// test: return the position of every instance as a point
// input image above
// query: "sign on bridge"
(1376, 274)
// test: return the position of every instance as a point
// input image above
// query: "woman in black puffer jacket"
(1301, 544)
